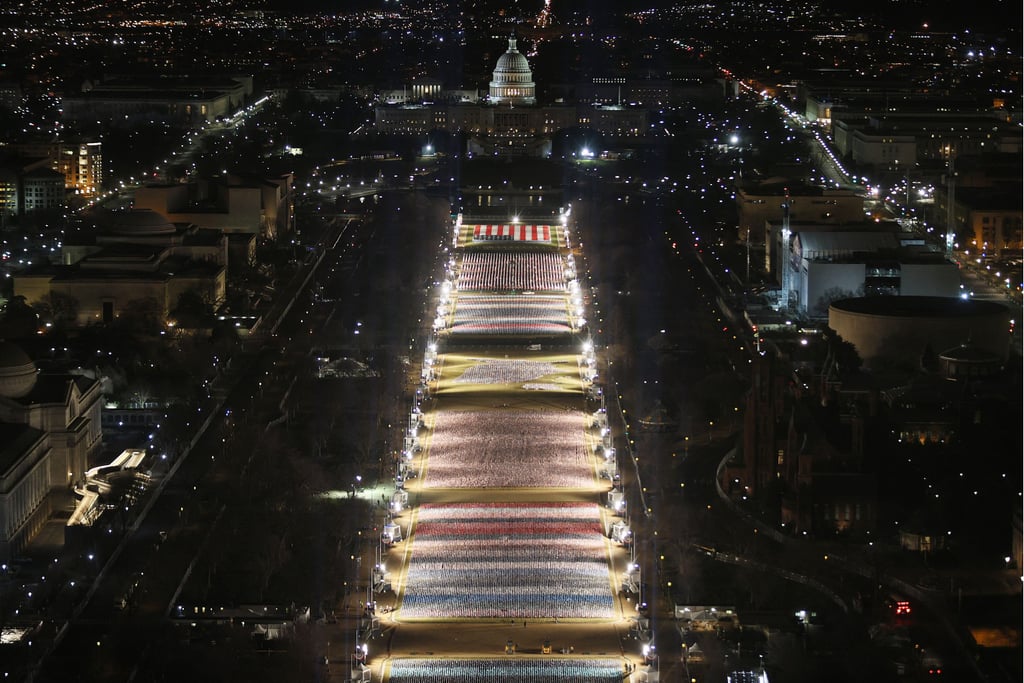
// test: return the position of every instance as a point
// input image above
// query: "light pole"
(787, 283)
(747, 279)
(950, 200)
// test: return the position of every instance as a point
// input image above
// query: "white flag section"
(499, 271)
(515, 233)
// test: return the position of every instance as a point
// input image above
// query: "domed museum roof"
(17, 371)
(140, 222)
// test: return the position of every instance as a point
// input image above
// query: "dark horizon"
(939, 15)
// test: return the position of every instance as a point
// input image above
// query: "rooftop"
(143, 95)
(919, 306)
(54, 388)
(795, 188)
(15, 439)
(816, 245)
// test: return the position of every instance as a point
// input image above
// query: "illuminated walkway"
(508, 572)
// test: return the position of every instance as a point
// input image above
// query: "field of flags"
(521, 271)
(508, 449)
(509, 670)
(509, 416)
(506, 560)
(522, 314)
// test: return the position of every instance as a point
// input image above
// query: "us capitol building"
(507, 121)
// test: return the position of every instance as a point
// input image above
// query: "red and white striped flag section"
(515, 233)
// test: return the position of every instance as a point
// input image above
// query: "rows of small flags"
(514, 232)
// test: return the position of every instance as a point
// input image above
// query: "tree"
(19, 319)
(830, 295)
(192, 310)
(929, 359)
(144, 316)
(59, 309)
(843, 353)
(224, 339)
(138, 393)
(718, 394)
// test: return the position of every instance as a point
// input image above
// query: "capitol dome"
(140, 222)
(17, 371)
(513, 80)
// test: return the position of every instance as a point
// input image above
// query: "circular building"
(17, 371)
(512, 79)
(901, 328)
(967, 361)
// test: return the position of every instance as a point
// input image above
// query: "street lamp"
(360, 653)
(650, 656)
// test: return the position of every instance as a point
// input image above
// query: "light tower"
(950, 201)
(787, 269)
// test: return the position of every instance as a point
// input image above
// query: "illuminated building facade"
(139, 257)
(508, 121)
(82, 166)
(49, 426)
(79, 161)
(28, 185)
(178, 101)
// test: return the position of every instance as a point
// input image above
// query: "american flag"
(516, 232)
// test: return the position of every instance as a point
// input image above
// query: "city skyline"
(408, 341)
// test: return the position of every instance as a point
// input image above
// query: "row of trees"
(58, 311)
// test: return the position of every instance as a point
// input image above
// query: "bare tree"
(832, 294)
(59, 309)
(143, 316)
